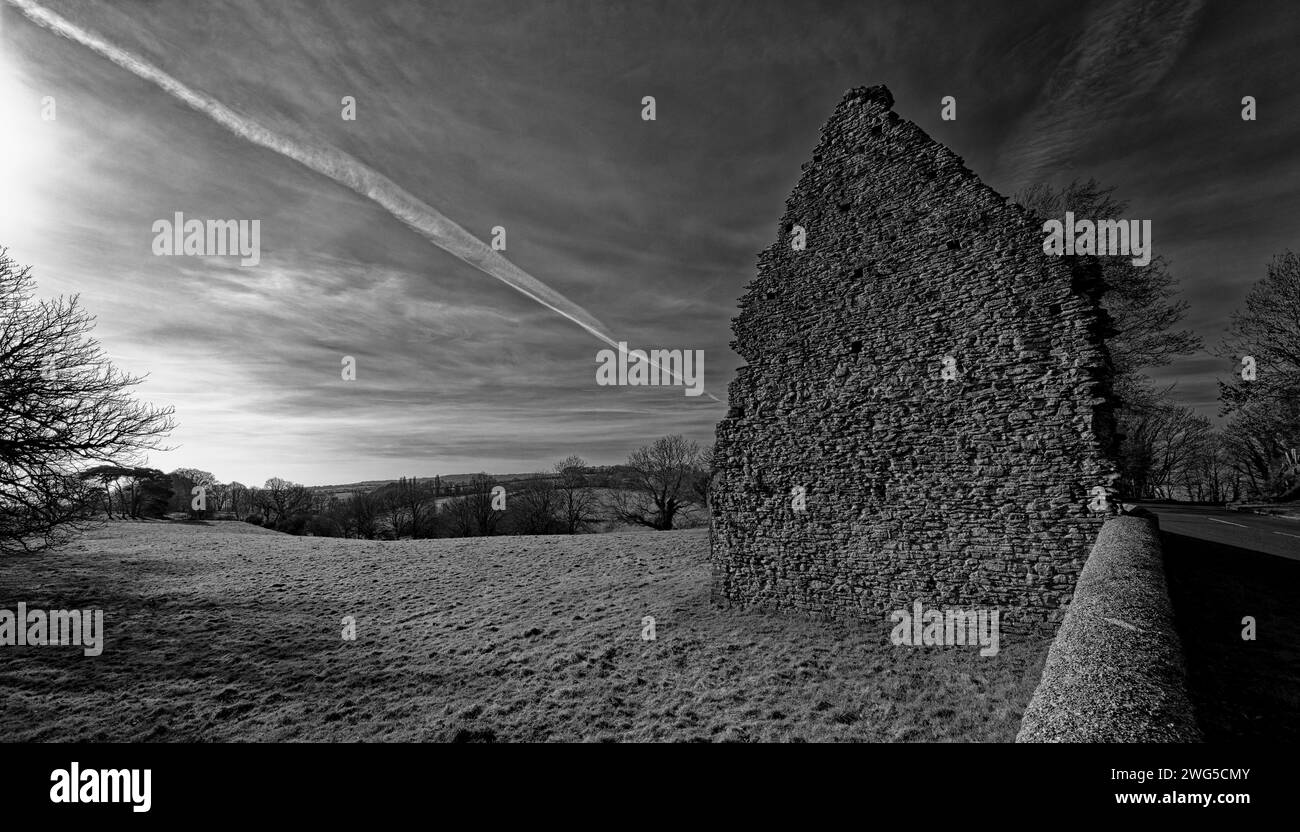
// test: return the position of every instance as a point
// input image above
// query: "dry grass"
(230, 633)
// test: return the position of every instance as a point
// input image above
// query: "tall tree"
(422, 503)
(1264, 438)
(1263, 395)
(1163, 445)
(64, 409)
(659, 483)
(283, 499)
(1267, 331)
(482, 506)
(534, 508)
(106, 476)
(474, 512)
(238, 499)
(362, 515)
(576, 504)
(218, 497)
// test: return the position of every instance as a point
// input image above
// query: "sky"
(528, 116)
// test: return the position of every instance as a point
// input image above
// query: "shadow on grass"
(1242, 690)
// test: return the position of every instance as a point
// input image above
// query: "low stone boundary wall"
(1115, 672)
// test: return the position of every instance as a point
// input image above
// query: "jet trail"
(344, 169)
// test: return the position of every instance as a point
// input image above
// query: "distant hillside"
(597, 474)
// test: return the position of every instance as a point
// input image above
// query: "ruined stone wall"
(966, 492)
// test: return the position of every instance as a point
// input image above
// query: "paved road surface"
(1260, 533)
(1223, 566)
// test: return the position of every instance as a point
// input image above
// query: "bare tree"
(257, 502)
(659, 484)
(576, 503)
(218, 497)
(319, 501)
(1268, 332)
(534, 508)
(1264, 438)
(238, 499)
(1264, 432)
(283, 498)
(1162, 444)
(356, 516)
(473, 512)
(391, 511)
(456, 517)
(418, 501)
(482, 504)
(1212, 477)
(63, 410)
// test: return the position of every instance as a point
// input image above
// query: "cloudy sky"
(528, 116)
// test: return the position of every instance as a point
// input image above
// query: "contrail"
(344, 169)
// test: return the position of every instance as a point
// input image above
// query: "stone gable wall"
(963, 492)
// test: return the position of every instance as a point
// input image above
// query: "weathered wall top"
(1116, 672)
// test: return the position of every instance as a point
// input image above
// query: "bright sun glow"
(28, 151)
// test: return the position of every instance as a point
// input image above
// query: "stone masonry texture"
(966, 492)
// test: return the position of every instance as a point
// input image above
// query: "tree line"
(658, 486)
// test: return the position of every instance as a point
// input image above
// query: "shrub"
(321, 525)
(294, 524)
(255, 519)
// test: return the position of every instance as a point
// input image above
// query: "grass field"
(232, 633)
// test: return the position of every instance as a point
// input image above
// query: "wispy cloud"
(328, 161)
(1124, 51)
(337, 165)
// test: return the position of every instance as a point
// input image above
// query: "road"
(1226, 568)
(1257, 532)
